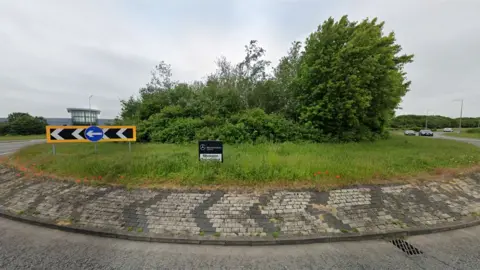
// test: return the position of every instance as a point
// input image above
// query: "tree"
(342, 84)
(4, 129)
(161, 79)
(251, 71)
(351, 79)
(25, 124)
(15, 115)
(285, 73)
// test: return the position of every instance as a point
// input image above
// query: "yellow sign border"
(49, 128)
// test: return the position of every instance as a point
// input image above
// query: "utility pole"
(90, 108)
(426, 121)
(90, 116)
(461, 114)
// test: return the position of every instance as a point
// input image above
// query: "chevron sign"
(75, 134)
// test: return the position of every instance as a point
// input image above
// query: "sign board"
(210, 150)
(76, 134)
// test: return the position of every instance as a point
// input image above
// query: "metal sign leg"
(53, 149)
(95, 147)
(130, 147)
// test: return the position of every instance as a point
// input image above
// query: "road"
(8, 147)
(467, 140)
(24, 246)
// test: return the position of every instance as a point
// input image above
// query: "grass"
(464, 135)
(19, 137)
(280, 165)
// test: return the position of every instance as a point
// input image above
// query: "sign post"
(210, 150)
(77, 134)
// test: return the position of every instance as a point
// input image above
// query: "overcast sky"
(54, 54)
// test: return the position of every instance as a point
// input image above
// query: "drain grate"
(406, 247)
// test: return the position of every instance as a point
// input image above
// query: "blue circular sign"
(94, 134)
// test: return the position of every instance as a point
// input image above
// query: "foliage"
(434, 121)
(19, 123)
(351, 79)
(342, 86)
(4, 129)
(15, 115)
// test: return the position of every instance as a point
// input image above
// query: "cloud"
(54, 54)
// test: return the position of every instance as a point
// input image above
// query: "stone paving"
(367, 209)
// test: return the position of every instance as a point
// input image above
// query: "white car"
(447, 130)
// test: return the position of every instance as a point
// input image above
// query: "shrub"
(4, 129)
(180, 130)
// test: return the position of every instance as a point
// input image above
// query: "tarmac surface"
(24, 246)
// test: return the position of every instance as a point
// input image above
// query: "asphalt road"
(24, 246)
(468, 140)
(8, 147)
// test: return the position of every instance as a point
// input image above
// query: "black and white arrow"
(77, 135)
(105, 134)
(55, 134)
(120, 133)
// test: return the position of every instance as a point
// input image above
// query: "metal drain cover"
(406, 247)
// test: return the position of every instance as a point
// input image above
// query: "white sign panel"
(211, 157)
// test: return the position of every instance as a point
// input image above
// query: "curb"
(268, 240)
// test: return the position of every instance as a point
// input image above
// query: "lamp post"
(90, 108)
(461, 113)
(426, 120)
(90, 116)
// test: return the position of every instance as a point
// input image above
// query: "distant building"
(79, 116)
(82, 117)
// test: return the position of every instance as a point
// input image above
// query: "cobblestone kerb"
(217, 217)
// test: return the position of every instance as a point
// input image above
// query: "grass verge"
(279, 165)
(19, 137)
(464, 135)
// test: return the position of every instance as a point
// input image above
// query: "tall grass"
(246, 164)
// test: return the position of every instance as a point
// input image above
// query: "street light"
(426, 120)
(90, 108)
(461, 112)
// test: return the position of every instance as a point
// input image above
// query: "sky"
(54, 54)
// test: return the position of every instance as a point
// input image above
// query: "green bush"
(342, 84)
(26, 124)
(180, 130)
(4, 129)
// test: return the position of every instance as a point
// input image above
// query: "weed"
(344, 231)
(275, 234)
(355, 230)
(21, 212)
(130, 229)
(201, 233)
(216, 234)
(139, 230)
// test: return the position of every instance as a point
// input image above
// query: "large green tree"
(351, 79)
(342, 84)
(25, 124)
